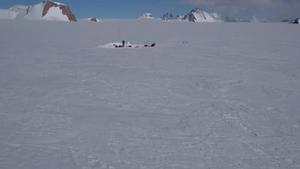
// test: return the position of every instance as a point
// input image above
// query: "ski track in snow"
(209, 96)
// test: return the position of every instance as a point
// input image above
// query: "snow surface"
(7, 14)
(218, 96)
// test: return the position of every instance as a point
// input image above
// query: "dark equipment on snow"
(151, 46)
(123, 45)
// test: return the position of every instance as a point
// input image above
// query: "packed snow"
(209, 96)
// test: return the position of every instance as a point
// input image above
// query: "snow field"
(218, 96)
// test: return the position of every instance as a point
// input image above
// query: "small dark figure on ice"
(123, 43)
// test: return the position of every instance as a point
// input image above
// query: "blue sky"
(261, 9)
(114, 8)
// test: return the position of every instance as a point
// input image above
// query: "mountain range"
(51, 10)
(195, 15)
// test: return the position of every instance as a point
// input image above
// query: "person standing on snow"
(123, 43)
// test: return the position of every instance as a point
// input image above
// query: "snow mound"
(199, 15)
(46, 10)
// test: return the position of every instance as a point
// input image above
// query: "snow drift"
(46, 10)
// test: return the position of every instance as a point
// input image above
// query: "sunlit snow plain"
(208, 96)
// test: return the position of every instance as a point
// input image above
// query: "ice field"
(208, 96)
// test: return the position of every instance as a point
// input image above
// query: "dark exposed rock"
(297, 21)
(94, 19)
(168, 16)
(64, 8)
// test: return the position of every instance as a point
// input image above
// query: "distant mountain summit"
(93, 19)
(57, 11)
(46, 10)
(168, 16)
(199, 15)
(147, 16)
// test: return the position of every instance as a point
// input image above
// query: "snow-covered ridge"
(199, 15)
(46, 10)
(168, 16)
